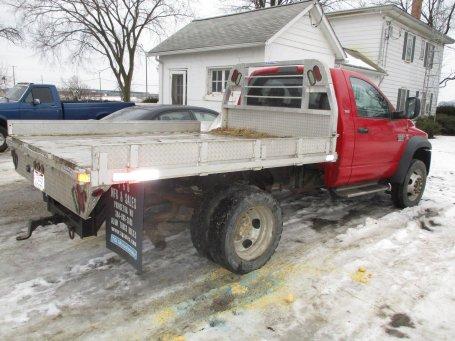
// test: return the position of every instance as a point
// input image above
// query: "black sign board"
(124, 222)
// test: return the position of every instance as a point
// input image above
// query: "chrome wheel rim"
(253, 232)
(415, 185)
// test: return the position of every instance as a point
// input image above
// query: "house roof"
(234, 30)
(360, 62)
(399, 15)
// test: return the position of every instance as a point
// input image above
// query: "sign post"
(124, 222)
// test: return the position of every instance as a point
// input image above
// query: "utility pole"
(146, 69)
(14, 75)
(146, 76)
(99, 75)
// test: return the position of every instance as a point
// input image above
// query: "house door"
(178, 87)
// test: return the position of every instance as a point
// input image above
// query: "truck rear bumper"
(59, 182)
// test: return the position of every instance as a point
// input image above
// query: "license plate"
(38, 180)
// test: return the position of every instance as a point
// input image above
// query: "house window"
(422, 49)
(429, 56)
(403, 95)
(218, 80)
(409, 47)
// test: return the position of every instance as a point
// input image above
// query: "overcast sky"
(31, 67)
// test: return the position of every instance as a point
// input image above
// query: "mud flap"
(124, 222)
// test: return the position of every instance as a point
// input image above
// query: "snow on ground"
(345, 269)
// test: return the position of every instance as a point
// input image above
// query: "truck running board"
(363, 189)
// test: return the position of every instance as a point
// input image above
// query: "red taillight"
(236, 77)
(317, 73)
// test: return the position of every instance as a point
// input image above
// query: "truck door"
(46, 108)
(378, 138)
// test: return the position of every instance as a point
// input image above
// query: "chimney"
(416, 11)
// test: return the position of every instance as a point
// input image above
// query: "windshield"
(129, 114)
(16, 92)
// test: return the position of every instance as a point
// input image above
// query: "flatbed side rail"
(173, 159)
(82, 128)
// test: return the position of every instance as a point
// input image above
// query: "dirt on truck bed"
(246, 133)
(345, 269)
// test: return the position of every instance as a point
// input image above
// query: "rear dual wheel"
(241, 229)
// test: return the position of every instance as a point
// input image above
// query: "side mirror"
(36, 101)
(412, 108)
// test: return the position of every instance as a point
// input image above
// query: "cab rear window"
(275, 91)
(283, 91)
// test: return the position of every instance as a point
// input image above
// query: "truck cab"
(373, 137)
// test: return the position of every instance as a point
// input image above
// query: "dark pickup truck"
(27, 101)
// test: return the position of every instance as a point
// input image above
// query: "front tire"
(245, 230)
(3, 135)
(409, 193)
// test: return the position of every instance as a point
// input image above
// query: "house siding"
(197, 66)
(409, 75)
(301, 40)
(361, 33)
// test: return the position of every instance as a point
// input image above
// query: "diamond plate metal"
(281, 123)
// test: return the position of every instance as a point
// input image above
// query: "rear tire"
(409, 193)
(245, 230)
(200, 223)
(3, 135)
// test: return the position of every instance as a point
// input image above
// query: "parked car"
(165, 113)
(28, 101)
(300, 127)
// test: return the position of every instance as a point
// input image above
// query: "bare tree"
(447, 79)
(10, 33)
(74, 89)
(111, 28)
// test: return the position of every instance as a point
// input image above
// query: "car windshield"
(129, 114)
(16, 92)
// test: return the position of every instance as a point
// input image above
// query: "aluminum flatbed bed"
(62, 158)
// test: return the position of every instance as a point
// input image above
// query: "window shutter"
(399, 100)
(425, 59)
(430, 104)
(413, 48)
(404, 45)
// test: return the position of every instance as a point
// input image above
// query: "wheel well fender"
(102, 115)
(417, 148)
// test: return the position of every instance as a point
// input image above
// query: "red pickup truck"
(297, 125)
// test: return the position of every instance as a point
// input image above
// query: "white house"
(408, 50)
(194, 62)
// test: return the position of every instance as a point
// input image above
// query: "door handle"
(363, 130)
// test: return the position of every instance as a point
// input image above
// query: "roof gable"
(243, 29)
